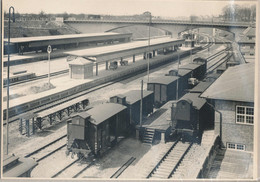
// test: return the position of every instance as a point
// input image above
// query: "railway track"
(123, 168)
(77, 167)
(48, 149)
(170, 161)
(219, 63)
(38, 77)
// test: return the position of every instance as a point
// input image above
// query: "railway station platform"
(160, 122)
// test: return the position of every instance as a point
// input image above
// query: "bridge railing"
(161, 21)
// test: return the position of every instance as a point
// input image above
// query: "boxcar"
(164, 89)
(191, 115)
(203, 63)
(211, 77)
(201, 87)
(94, 131)
(17, 167)
(183, 83)
(132, 101)
(195, 68)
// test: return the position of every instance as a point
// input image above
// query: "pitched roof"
(236, 84)
(197, 101)
(80, 61)
(250, 31)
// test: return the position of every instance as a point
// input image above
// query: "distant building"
(233, 96)
(247, 43)
(71, 18)
(59, 19)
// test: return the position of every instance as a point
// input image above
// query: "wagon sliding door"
(164, 94)
(157, 93)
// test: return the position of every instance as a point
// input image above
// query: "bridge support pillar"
(133, 58)
(96, 69)
(106, 65)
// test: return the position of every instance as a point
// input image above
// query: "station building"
(247, 43)
(233, 96)
(80, 68)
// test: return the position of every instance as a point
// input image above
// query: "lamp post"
(8, 73)
(49, 59)
(177, 85)
(149, 32)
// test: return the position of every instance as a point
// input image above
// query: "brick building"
(233, 96)
(247, 43)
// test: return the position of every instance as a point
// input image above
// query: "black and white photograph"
(129, 90)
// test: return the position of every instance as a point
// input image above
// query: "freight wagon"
(132, 100)
(164, 89)
(96, 130)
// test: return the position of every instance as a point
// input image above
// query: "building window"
(244, 115)
(252, 46)
(235, 146)
(231, 146)
(250, 38)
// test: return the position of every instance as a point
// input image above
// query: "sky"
(164, 8)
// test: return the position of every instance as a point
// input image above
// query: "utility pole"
(8, 78)
(177, 86)
(49, 59)
(141, 104)
(149, 34)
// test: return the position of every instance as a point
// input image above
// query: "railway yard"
(87, 124)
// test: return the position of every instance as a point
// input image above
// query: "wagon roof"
(201, 87)
(213, 75)
(236, 83)
(197, 101)
(105, 111)
(165, 80)
(190, 66)
(135, 95)
(183, 72)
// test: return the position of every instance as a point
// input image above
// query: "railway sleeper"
(159, 176)
(167, 172)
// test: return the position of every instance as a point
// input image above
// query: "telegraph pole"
(149, 34)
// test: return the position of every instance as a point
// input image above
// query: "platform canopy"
(108, 53)
(69, 37)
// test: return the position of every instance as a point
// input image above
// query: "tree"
(65, 15)
(42, 14)
(234, 12)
